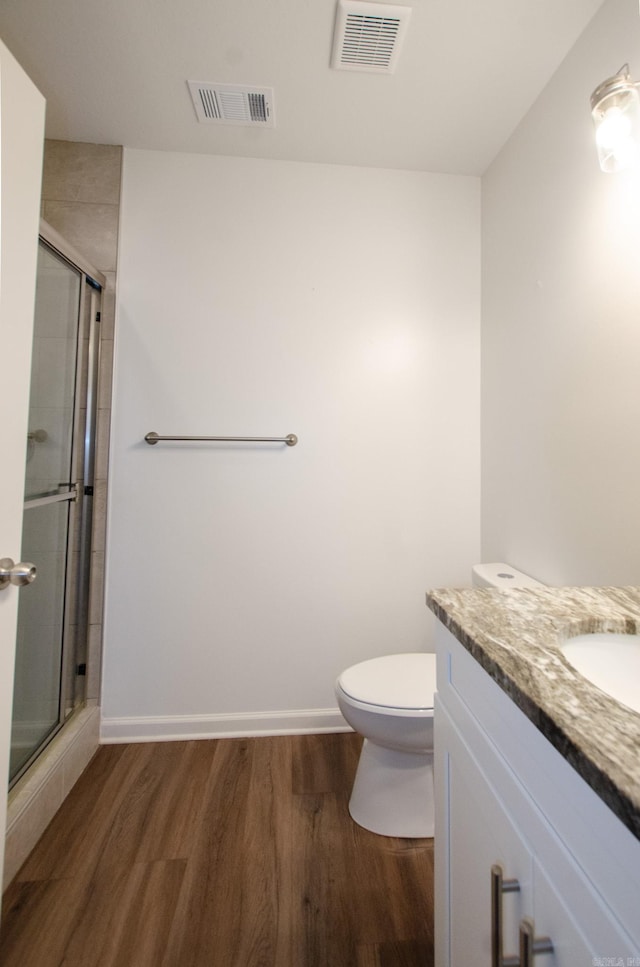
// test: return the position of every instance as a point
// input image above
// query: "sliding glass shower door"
(52, 611)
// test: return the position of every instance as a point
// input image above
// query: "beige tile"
(108, 312)
(106, 374)
(96, 593)
(82, 750)
(102, 444)
(92, 229)
(75, 171)
(94, 663)
(29, 824)
(99, 515)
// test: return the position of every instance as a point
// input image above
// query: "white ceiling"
(115, 72)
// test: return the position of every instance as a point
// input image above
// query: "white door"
(21, 144)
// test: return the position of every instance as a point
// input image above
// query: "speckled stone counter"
(514, 636)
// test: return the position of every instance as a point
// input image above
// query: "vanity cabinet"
(507, 801)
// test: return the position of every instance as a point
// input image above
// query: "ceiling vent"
(233, 104)
(368, 36)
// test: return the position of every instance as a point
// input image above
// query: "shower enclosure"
(51, 649)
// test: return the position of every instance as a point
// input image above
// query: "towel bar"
(152, 438)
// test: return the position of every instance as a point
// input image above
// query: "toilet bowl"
(389, 701)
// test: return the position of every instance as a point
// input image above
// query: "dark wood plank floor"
(226, 853)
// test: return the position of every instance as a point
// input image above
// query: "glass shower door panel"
(36, 696)
(53, 376)
(44, 611)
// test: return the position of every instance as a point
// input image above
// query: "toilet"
(389, 701)
(501, 576)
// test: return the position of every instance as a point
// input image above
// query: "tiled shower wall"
(81, 199)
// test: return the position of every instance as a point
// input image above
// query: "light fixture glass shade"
(615, 109)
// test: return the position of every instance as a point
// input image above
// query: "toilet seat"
(393, 684)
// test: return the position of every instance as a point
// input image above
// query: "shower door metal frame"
(77, 583)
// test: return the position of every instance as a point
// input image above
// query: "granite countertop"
(514, 636)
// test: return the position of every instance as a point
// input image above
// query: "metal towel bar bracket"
(291, 439)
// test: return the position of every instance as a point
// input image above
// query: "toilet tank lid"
(501, 575)
(393, 681)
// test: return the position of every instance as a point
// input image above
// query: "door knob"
(18, 574)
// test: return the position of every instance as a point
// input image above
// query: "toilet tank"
(501, 575)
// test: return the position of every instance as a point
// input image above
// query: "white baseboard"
(172, 728)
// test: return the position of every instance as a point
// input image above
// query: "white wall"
(267, 298)
(561, 333)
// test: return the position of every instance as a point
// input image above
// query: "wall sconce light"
(615, 109)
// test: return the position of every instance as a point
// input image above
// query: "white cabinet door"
(582, 931)
(21, 144)
(480, 834)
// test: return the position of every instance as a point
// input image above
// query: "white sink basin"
(610, 661)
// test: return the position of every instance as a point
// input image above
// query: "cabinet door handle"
(499, 886)
(530, 945)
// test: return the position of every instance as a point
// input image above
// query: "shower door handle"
(17, 574)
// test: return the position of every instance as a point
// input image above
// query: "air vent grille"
(368, 36)
(233, 104)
